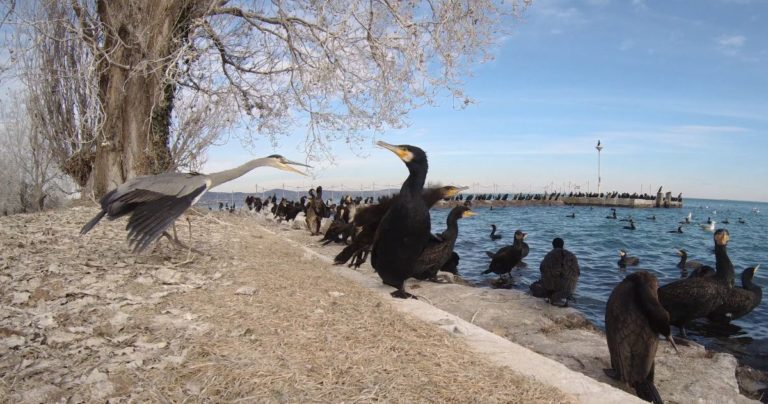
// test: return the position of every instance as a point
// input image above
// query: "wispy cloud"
(730, 44)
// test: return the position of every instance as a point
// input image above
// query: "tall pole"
(599, 179)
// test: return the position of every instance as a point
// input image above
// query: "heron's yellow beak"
(403, 153)
(284, 165)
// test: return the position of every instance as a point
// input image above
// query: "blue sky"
(677, 91)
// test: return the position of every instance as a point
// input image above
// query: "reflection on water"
(596, 241)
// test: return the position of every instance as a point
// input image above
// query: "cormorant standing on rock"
(559, 274)
(627, 261)
(367, 220)
(739, 301)
(494, 236)
(633, 319)
(439, 250)
(507, 257)
(692, 298)
(404, 230)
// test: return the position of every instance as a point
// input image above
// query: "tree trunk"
(141, 37)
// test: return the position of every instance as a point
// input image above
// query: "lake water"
(596, 240)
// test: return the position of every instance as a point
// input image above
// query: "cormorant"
(452, 265)
(684, 264)
(679, 230)
(404, 231)
(633, 319)
(367, 220)
(742, 221)
(631, 225)
(726, 221)
(572, 215)
(739, 301)
(440, 249)
(692, 298)
(652, 217)
(559, 273)
(494, 236)
(625, 260)
(613, 214)
(507, 257)
(704, 271)
(687, 219)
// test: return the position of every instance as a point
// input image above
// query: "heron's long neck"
(229, 175)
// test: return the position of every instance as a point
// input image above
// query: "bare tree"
(338, 67)
(32, 177)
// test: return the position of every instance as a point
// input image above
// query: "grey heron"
(156, 201)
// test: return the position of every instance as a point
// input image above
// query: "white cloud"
(730, 44)
(731, 41)
(639, 5)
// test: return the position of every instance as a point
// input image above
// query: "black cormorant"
(631, 225)
(739, 301)
(613, 214)
(627, 261)
(679, 230)
(742, 221)
(440, 249)
(633, 319)
(494, 236)
(404, 231)
(726, 221)
(684, 264)
(692, 298)
(367, 220)
(572, 215)
(704, 271)
(507, 257)
(559, 273)
(452, 265)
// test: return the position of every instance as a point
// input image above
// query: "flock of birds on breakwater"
(395, 232)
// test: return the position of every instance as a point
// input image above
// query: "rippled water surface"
(596, 240)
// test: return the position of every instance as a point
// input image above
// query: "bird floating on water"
(156, 201)
(627, 261)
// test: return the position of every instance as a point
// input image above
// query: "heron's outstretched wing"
(150, 218)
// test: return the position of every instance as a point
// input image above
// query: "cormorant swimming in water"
(633, 319)
(572, 215)
(687, 219)
(439, 250)
(726, 221)
(692, 298)
(684, 264)
(631, 225)
(507, 257)
(404, 231)
(679, 230)
(652, 217)
(625, 260)
(559, 274)
(742, 221)
(739, 301)
(494, 236)
(613, 214)
(709, 226)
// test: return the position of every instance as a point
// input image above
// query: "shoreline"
(565, 334)
(87, 320)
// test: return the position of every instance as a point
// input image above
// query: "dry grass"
(256, 321)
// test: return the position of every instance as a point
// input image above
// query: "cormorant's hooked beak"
(404, 154)
(755, 271)
(454, 191)
(284, 165)
(679, 252)
(469, 213)
(671, 340)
